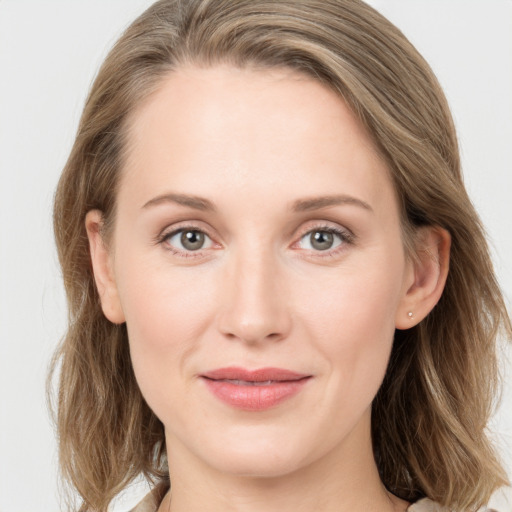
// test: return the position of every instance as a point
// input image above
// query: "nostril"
(253, 306)
(253, 333)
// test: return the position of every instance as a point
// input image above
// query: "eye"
(323, 239)
(185, 240)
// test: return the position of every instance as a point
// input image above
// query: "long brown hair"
(429, 417)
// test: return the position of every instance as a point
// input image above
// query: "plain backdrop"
(49, 53)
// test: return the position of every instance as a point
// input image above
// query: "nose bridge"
(254, 306)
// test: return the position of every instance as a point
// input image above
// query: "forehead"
(262, 130)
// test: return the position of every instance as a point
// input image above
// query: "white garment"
(426, 505)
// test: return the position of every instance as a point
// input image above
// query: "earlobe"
(102, 268)
(429, 271)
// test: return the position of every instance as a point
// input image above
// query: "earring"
(409, 314)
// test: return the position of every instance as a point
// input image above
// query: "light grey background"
(49, 54)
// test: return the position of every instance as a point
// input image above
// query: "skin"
(259, 293)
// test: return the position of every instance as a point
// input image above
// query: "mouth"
(249, 382)
(254, 390)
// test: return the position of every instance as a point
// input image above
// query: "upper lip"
(258, 375)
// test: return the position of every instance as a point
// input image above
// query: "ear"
(426, 277)
(101, 260)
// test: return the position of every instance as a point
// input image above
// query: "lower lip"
(254, 397)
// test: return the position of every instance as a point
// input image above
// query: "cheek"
(353, 325)
(166, 314)
(163, 305)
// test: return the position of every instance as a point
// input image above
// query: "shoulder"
(426, 505)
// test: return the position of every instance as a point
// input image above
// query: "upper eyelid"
(326, 226)
(183, 226)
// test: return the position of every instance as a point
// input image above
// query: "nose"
(254, 306)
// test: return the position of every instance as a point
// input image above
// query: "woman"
(280, 295)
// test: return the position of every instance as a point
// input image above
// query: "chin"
(271, 463)
(261, 452)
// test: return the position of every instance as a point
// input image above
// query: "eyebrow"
(195, 202)
(316, 203)
(300, 205)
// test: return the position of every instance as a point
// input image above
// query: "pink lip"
(254, 390)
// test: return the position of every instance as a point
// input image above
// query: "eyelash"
(345, 236)
(166, 235)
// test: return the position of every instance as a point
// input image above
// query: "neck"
(345, 479)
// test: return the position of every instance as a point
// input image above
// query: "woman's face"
(258, 263)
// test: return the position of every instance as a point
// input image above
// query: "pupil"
(192, 240)
(322, 240)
